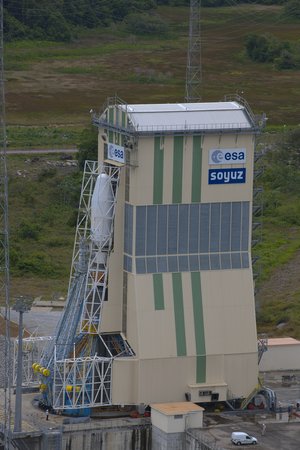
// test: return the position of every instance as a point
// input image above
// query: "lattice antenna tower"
(194, 66)
(4, 257)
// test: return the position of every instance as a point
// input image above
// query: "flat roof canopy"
(188, 116)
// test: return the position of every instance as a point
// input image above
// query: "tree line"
(59, 20)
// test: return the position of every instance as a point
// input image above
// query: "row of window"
(187, 263)
(187, 228)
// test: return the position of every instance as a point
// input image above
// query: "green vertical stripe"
(179, 314)
(177, 169)
(123, 119)
(111, 121)
(199, 327)
(196, 169)
(158, 171)
(158, 288)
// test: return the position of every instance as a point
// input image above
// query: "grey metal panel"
(140, 265)
(214, 227)
(194, 228)
(236, 227)
(204, 227)
(162, 228)
(140, 236)
(225, 227)
(173, 263)
(151, 265)
(245, 226)
(194, 263)
(183, 263)
(204, 262)
(183, 234)
(151, 230)
(225, 261)
(245, 260)
(236, 260)
(128, 228)
(127, 263)
(215, 261)
(162, 264)
(172, 229)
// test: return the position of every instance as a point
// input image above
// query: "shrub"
(142, 24)
(28, 230)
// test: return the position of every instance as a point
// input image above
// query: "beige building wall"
(189, 329)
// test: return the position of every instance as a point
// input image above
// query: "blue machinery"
(75, 367)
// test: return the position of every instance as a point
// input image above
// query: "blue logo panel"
(226, 176)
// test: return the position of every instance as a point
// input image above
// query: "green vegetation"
(52, 86)
(57, 20)
(41, 137)
(267, 48)
(43, 200)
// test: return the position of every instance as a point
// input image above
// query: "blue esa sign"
(226, 176)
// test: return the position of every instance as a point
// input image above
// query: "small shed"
(176, 417)
(282, 354)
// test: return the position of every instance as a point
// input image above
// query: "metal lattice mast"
(194, 67)
(4, 253)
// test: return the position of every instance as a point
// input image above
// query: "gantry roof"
(168, 118)
(188, 116)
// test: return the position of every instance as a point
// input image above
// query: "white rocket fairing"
(102, 209)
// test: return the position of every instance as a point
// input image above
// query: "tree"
(88, 146)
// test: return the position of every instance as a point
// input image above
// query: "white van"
(240, 438)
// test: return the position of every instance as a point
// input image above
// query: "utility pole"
(21, 305)
(194, 67)
(5, 354)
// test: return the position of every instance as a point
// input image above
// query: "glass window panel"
(140, 265)
(236, 260)
(204, 227)
(172, 229)
(194, 263)
(173, 264)
(183, 234)
(215, 261)
(214, 227)
(245, 225)
(162, 224)
(140, 239)
(194, 228)
(204, 262)
(225, 261)
(183, 263)
(245, 260)
(151, 230)
(225, 227)
(236, 227)
(162, 264)
(151, 265)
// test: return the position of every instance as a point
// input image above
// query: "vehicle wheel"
(238, 443)
(254, 443)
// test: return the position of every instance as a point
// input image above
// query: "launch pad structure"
(160, 305)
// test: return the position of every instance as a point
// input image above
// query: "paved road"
(35, 151)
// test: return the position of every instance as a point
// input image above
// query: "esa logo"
(227, 156)
(116, 153)
(226, 176)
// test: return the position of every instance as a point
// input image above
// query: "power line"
(4, 253)
(194, 69)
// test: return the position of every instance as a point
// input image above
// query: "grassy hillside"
(51, 87)
(58, 83)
